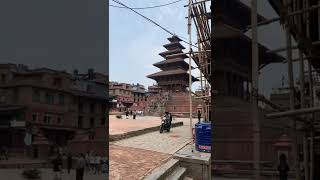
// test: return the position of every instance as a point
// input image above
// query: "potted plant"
(31, 174)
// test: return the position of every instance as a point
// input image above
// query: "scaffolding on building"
(301, 20)
(199, 17)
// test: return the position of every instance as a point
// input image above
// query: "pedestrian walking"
(134, 114)
(283, 167)
(92, 162)
(69, 162)
(199, 116)
(4, 153)
(87, 160)
(81, 164)
(97, 164)
(127, 114)
(170, 119)
(105, 166)
(57, 167)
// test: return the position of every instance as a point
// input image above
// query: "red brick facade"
(54, 107)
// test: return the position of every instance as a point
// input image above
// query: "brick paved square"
(132, 163)
(120, 126)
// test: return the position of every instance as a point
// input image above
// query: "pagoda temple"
(174, 74)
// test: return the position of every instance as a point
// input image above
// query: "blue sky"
(135, 43)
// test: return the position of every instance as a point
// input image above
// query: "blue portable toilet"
(203, 137)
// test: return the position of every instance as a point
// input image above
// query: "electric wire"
(148, 7)
(155, 23)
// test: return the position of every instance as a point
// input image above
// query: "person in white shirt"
(92, 162)
(87, 159)
(97, 164)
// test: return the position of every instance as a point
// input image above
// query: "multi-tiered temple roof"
(174, 70)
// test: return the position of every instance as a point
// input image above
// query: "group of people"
(4, 154)
(133, 114)
(84, 163)
(93, 162)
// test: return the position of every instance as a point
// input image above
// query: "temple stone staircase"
(157, 104)
(178, 104)
(170, 170)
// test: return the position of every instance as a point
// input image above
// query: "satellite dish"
(28, 139)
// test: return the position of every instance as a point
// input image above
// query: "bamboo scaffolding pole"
(186, 53)
(298, 12)
(291, 113)
(190, 76)
(203, 1)
(255, 85)
(292, 47)
(291, 87)
(312, 119)
(298, 59)
(319, 20)
(302, 105)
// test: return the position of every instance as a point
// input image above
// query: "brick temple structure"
(173, 81)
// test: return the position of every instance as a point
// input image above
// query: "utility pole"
(190, 76)
(291, 88)
(312, 121)
(305, 138)
(302, 104)
(255, 91)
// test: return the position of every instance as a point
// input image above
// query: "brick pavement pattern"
(133, 157)
(132, 163)
(120, 126)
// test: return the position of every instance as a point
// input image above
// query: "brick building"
(153, 90)
(127, 96)
(52, 107)
(123, 94)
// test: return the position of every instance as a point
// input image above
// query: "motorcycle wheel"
(161, 129)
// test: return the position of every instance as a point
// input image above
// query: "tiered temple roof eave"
(173, 45)
(174, 39)
(168, 73)
(170, 61)
(171, 52)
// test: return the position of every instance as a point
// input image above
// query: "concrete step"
(187, 178)
(177, 174)
(162, 172)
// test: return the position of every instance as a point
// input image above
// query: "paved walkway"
(47, 174)
(133, 157)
